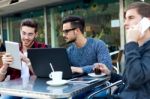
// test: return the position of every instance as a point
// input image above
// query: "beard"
(71, 41)
(29, 44)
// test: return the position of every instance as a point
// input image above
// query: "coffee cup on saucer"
(56, 76)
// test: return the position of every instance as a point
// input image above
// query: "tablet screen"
(13, 49)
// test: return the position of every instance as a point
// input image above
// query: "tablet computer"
(13, 49)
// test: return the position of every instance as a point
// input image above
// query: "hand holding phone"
(144, 25)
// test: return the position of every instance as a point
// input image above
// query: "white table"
(37, 88)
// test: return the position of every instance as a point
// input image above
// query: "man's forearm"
(3, 71)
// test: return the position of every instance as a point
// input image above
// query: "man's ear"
(78, 30)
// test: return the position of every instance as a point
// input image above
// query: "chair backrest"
(119, 55)
(117, 59)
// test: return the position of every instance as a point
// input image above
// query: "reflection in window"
(15, 20)
(97, 16)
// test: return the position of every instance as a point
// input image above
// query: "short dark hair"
(30, 23)
(76, 22)
(142, 8)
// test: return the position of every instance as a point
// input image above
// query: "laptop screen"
(42, 57)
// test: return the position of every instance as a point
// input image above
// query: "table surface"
(37, 88)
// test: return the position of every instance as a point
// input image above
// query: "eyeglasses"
(68, 30)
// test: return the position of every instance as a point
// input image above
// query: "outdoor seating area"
(74, 49)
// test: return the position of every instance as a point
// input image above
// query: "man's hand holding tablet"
(13, 49)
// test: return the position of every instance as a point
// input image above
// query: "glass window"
(98, 14)
(14, 24)
(0, 29)
(4, 30)
(98, 17)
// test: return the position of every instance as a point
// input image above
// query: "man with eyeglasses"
(28, 33)
(83, 52)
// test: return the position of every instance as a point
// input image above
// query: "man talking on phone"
(136, 76)
(137, 53)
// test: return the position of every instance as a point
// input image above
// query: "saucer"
(95, 75)
(58, 83)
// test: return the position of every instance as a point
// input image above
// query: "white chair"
(116, 61)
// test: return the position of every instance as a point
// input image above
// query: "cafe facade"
(104, 19)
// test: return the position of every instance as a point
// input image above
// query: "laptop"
(42, 57)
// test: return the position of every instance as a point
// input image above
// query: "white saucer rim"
(63, 82)
(94, 75)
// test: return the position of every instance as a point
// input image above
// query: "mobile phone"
(144, 25)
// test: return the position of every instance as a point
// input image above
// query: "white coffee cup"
(56, 75)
